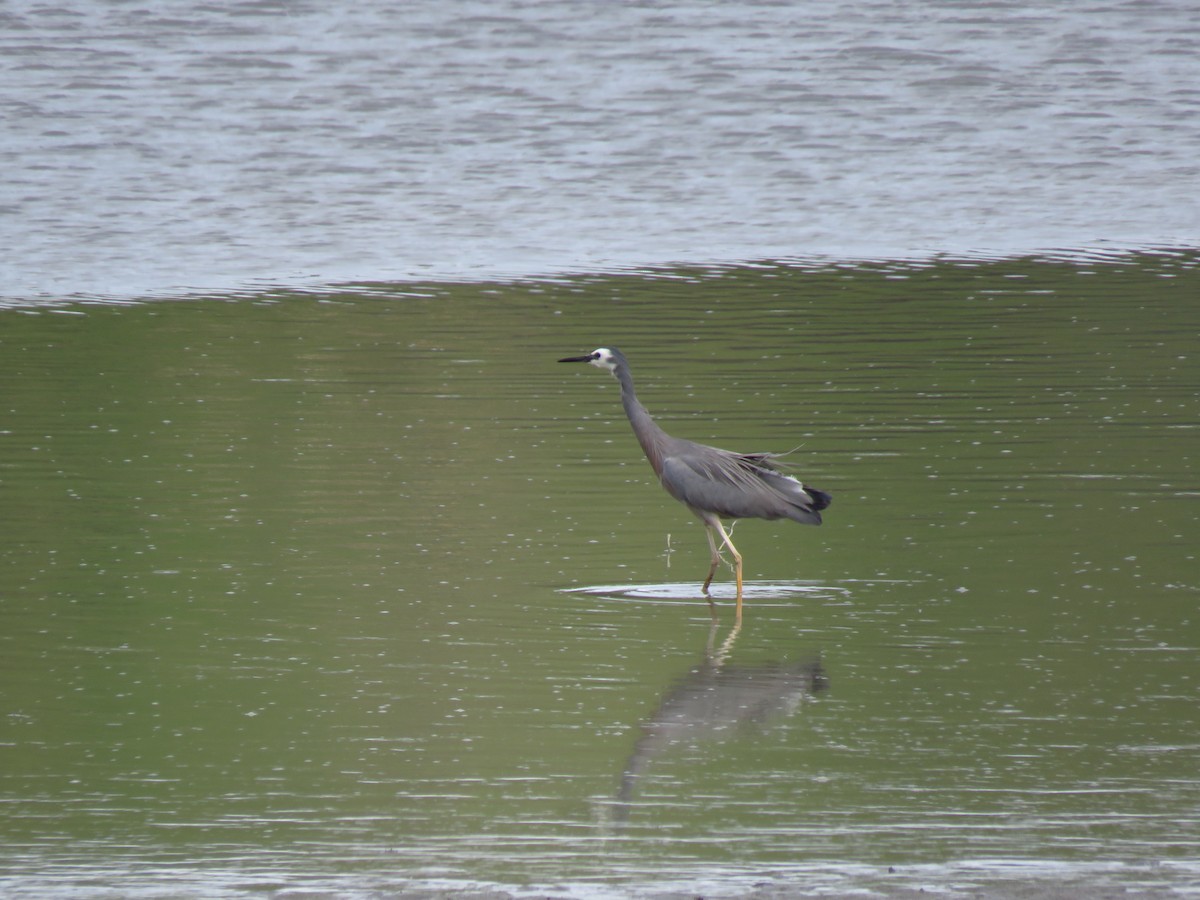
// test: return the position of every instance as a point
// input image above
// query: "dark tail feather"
(820, 499)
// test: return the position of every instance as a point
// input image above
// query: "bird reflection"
(716, 701)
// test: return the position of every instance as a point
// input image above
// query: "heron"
(714, 484)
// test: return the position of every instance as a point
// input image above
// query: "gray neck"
(645, 429)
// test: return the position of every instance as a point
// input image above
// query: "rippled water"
(362, 593)
(355, 592)
(152, 148)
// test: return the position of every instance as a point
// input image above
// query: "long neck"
(649, 435)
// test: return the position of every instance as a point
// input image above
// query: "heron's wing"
(736, 486)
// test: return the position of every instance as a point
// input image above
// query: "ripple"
(759, 593)
(439, 183)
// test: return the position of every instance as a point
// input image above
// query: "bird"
(714, 484)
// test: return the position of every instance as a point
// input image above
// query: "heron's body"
(714, 484)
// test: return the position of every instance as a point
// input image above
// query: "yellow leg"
(737, 558)
(716, 558)
(712, 570)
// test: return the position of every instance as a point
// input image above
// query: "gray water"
(158, 148)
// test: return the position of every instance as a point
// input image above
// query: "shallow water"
(362, 592)
(152, 150)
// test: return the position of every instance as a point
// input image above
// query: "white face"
(602, 358)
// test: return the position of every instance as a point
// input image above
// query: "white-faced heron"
(714, 484)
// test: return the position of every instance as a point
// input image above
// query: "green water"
(361, 591)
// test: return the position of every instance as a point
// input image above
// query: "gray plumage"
(714, 484)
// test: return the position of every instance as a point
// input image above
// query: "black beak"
(587, 358)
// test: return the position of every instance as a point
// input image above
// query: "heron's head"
(602, 358)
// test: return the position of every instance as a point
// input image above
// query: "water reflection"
(714, 702)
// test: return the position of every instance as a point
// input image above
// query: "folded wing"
(739, 486)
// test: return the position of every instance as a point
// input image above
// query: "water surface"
(151, 149)
(361, 592)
